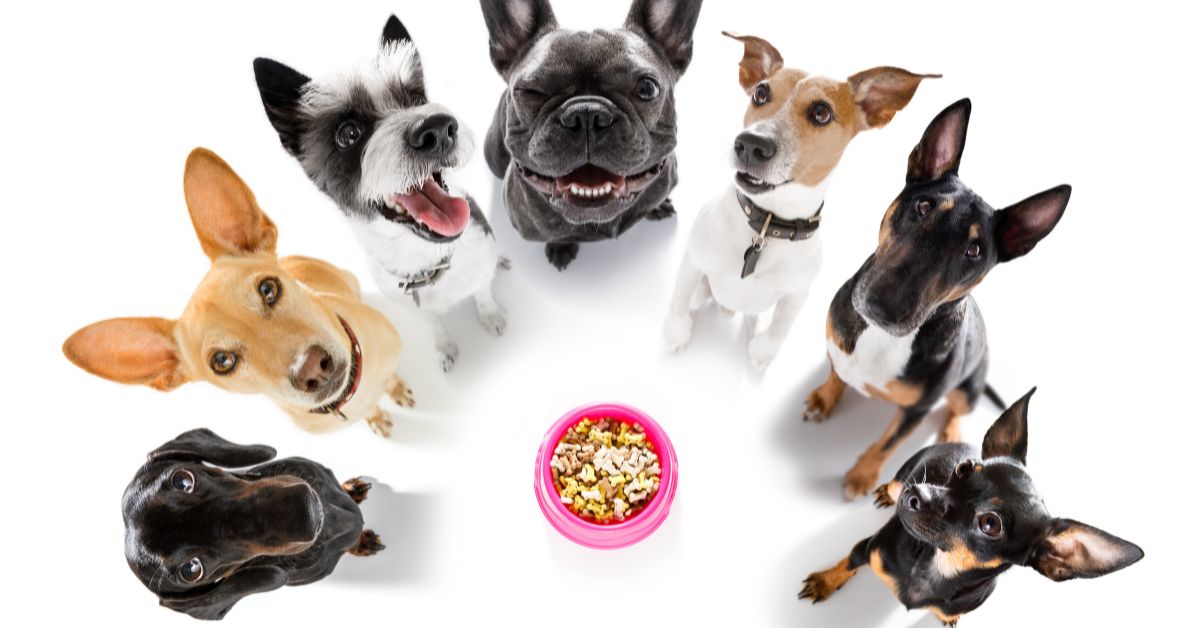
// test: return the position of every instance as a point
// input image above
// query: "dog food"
(605, 470)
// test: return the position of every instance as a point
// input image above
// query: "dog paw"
(763, 350)
(822, 584)
(814, 407)
(357, 489)
(399, 392)
(886, 494)
(369, 544)
(561, 254)
(448, 355)
(662, 212)
(493, 319)
(859, 480)
(677, 331)
(381, 424)
(503, 263)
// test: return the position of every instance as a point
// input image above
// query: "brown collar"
(798, 229)
(335, 406)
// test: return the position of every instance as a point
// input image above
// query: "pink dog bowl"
(615, 535)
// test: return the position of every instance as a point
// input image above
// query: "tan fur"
(900, 393)
(822, 584)
(226, 313)
(960, 559)
(877, 567)
(864, 475)
(825, 398)
(956, 408)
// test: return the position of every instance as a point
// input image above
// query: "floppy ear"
(1069, 549)
(940, 150)
(513, 25)
(280, 88)
(881, 92)
(214, 602)
(669, 25)
(759, 60)
(203, 445)
(226, 216)
(129, 351)
(1023, 225)
(1009, 435)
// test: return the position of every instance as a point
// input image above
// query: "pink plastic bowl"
(608, 536)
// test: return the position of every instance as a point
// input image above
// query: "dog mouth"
(752, 184)
(353, 378)
(590, 185)
(428, 209)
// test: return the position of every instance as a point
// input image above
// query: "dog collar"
(768, 226)
(335, 406)
(423, 279)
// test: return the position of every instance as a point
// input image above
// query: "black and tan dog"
(964, 517)
(202, 537)
(904, 328)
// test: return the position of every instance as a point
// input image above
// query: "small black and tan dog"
(202, 537)
(964, 517)
(904, 328)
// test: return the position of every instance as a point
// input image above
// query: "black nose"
(914, 503)
(752, 149)
(585, 115)
(314, 370)
(435, 135)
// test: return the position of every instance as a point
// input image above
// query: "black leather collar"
(423, 279)
(798, 229)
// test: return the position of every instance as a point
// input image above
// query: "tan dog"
(291, 328)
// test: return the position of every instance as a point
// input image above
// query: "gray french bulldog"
(584, 135)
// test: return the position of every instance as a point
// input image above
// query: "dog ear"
(409, 71)
(280, 88)
(1009, 435)
(513, 25)
(129, 351)
(1069, 549)
(215, 601)
(759, 61)
(1023, 225)
(669, 25)
(394, 32)
(203, 445)
(940, 149)
(881, 92)
(224, 213)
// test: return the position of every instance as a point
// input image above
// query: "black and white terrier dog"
(372, 141)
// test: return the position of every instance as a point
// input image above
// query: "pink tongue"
(444, 214)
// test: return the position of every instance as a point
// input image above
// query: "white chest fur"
(878, 358)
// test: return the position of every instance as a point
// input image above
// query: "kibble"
(605, 470)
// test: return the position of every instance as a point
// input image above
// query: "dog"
(292, 328)
(964, 517)
(756, 246)
(584, 133)
(202, 537)
(904, 328)
(373, 142)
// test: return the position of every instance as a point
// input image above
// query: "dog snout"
(313, 371)
(588, 115)
(921, 498)
(753, 150)
(435, 135)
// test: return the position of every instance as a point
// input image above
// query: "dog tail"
(994, 396)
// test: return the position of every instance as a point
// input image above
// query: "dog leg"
(380, 423)
(865, 472)
(491, 316)
(561, 254)
(443, 341)
(357, 489)
(824, 399)
(369, 544)
(677, 330)
(662, 212)
(822, 584)
(765, 346)
(399, 392)
(887, 494)
(960, 401)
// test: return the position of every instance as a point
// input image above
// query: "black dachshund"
(202, 537)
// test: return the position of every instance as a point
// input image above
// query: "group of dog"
(583, 138)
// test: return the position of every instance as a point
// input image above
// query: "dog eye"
(347, 134)
(183, 480)
(223, 362)
(270, 290)
(820, 113)
(922, 206)
(990, 524)
(964, 469)
(974, 250)
(647, 88)
(761, 94)
(192, 570)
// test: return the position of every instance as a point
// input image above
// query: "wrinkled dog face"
(371, 140)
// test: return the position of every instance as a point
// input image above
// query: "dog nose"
(587, 115)
(753, 149)
(435, 135)
(313, 371)
(920, 497)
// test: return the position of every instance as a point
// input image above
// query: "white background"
(102, 103)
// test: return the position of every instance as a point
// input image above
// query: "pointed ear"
(394, 32)
(280, 88)
(759, 61)
(129, 351)
(1023, 225)
(226, 216)
(669, 25)
(214, 602)
(1069, 549)
(881, 92)
(513, 25)
(203, 445)
(1009, 435)
(941, 147)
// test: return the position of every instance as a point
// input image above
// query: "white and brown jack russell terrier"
(757, 246)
